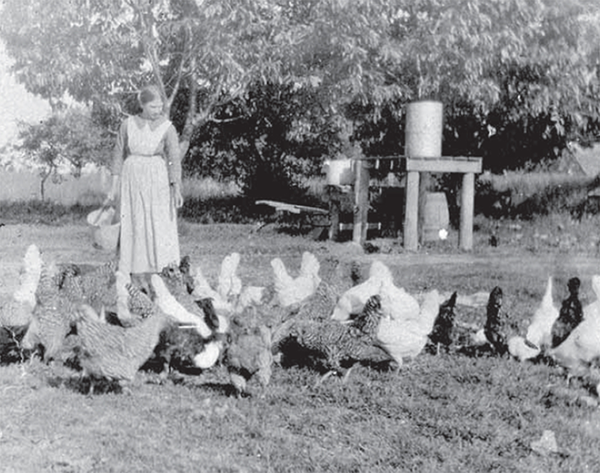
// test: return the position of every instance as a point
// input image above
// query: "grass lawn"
(444, 413)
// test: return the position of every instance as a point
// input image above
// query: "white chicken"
(202, 290)
(539, 332)
(289, 290)
(229, 284)
(169, 305)
(122, 280)
(407, 338)
(395, 301)
(593, 309)
(582, 346)
(18, 310)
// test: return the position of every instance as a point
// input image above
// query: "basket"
(105, 228)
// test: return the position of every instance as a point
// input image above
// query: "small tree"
(62, 144)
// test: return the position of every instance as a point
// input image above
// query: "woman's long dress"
(148, 240)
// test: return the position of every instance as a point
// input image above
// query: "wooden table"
(413, 166)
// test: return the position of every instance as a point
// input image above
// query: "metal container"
(423, 133)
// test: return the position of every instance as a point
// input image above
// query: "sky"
(16, 104)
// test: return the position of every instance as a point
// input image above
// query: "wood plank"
(361, 203)
(467, 206)
(292, 208)
(450, 165)
(411, 216)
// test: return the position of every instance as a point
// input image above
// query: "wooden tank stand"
(413, 166)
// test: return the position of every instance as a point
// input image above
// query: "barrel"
(436, 216)
(423, 132)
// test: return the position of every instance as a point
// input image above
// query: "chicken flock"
(109, 326)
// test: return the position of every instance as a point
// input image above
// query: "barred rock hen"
(570, 315)
(114, 352)
(53, 315)
(333, 344)
(17, 311)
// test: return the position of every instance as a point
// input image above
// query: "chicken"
(172, 307)
(593, 309)
(229, 284)
(332, 344)
(247, 355)
(496, 322)
(17, 311)
(203, 290)
(406, 338)
(580, 349)
(522, 349)
(396, 302)
(290, 290)
(570, 315)
(539, 332)
(185, 267)
(441, 334)
(113, 352)
(52, 317)
(180, 348)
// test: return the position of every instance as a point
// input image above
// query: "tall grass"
(525, 194)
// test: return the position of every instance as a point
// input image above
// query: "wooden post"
(361, 202)
(411, 217)
(334, 212)
(467, 207)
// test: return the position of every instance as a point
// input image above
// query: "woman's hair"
(149, 94)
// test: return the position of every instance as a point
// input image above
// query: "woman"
(146, 168)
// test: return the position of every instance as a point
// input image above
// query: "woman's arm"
(174, 165)
(117, 163)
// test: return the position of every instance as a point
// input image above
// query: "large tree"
(515, 58)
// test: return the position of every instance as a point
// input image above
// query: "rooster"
(289, 290)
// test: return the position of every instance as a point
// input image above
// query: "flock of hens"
(99, 321)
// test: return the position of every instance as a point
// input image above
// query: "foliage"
(267, 142)
(507, 70)
(62, 144)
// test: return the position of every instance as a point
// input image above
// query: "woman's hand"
(176, 196)
(111, 198)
